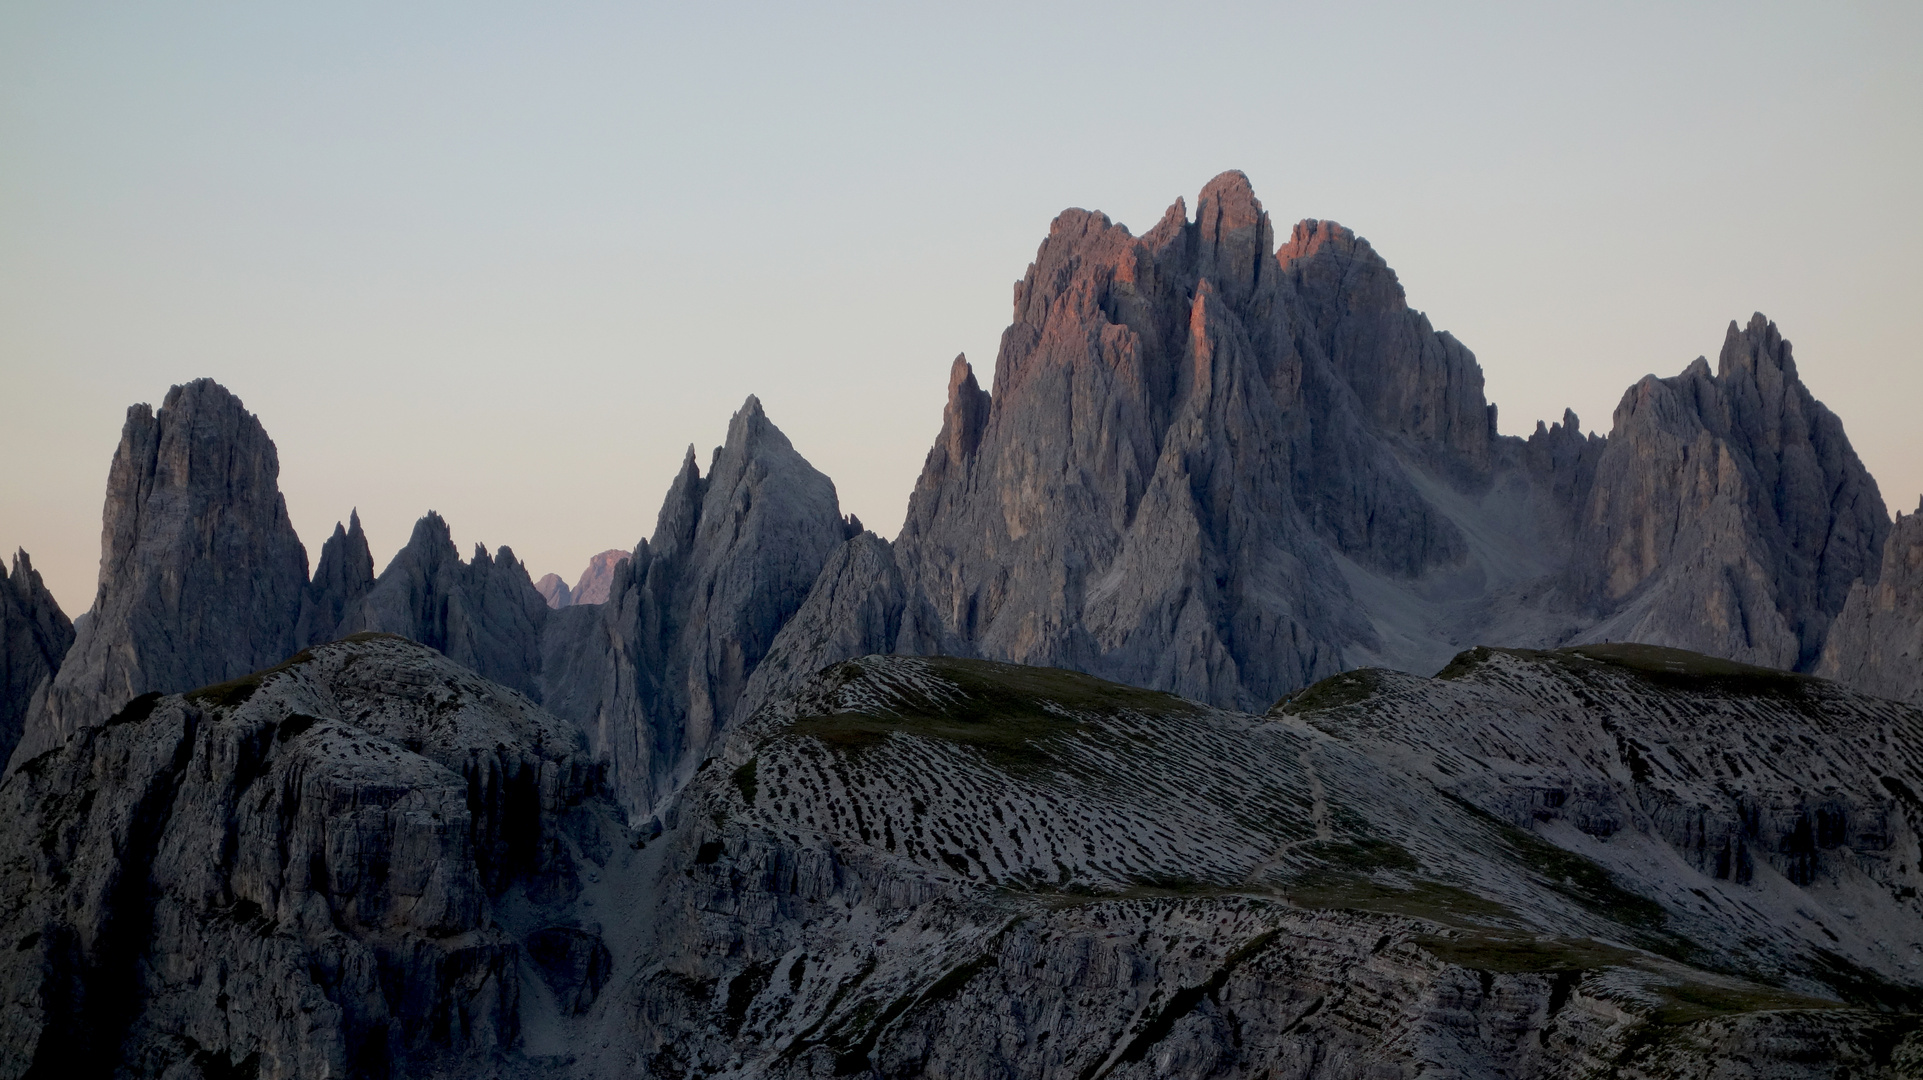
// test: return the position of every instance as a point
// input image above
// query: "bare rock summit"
(201, 574)
(34, 638)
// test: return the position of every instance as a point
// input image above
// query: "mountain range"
(1225, 618)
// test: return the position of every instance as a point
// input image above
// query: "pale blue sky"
(506, 261)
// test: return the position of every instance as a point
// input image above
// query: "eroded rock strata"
(371, 862)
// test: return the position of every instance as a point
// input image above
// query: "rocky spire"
(484, 613)
(692, 612)
(1876, 642)
(34, 638)
(343, 577)
(201, 574)
(1729, 514)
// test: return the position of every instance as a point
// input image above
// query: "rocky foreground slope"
(371, 862)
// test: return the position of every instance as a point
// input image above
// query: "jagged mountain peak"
(1757, 350)
(201, 573)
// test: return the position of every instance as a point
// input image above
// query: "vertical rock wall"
(201, 574)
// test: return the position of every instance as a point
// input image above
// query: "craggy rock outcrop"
(34, 637)
(692, 611)
(1226, 469)
(201, 574)
(1876, 644)
(554, 591)
(936, 866)
(1729, 514)
(1219, 468)
(344, 576)
(854, 609)
(340, 867)
(370, 862)
(483, 613)
(598, 579)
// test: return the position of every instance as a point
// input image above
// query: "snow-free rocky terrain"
(766, 795)
(370, 862)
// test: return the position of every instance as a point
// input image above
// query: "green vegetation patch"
(1363, 855)
(1435, 901)
(236, 692)
(1669, 669)
(1678, 669)
(1333, 692)
(1009, 712)
(1690, 1002)
(1511, 955)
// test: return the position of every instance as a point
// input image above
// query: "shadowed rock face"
(1729, 514)
(1876, 643)
(691, 612)
(484, 613)
(343, 577)
(554, 591)
(329, 869)
(34, 637)
(201, 574)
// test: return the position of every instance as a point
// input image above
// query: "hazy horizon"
(507, 264)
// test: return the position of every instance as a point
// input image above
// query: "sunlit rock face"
(1226, 468)
(201, 575)
(596, 582)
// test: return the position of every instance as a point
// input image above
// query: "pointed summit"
(1236, 237)
(1747, 545)
(201, 574)
(34, 638)
(484, 613)
(692, 611)
(343, 576)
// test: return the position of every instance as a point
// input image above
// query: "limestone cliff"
(483, 613)
(1729, 514)
(358, 864)
(342, 579)
(201, 574)
(1876, 643)
(1218, 467)
(1225, 468)
(34, 638)
(655, 675)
